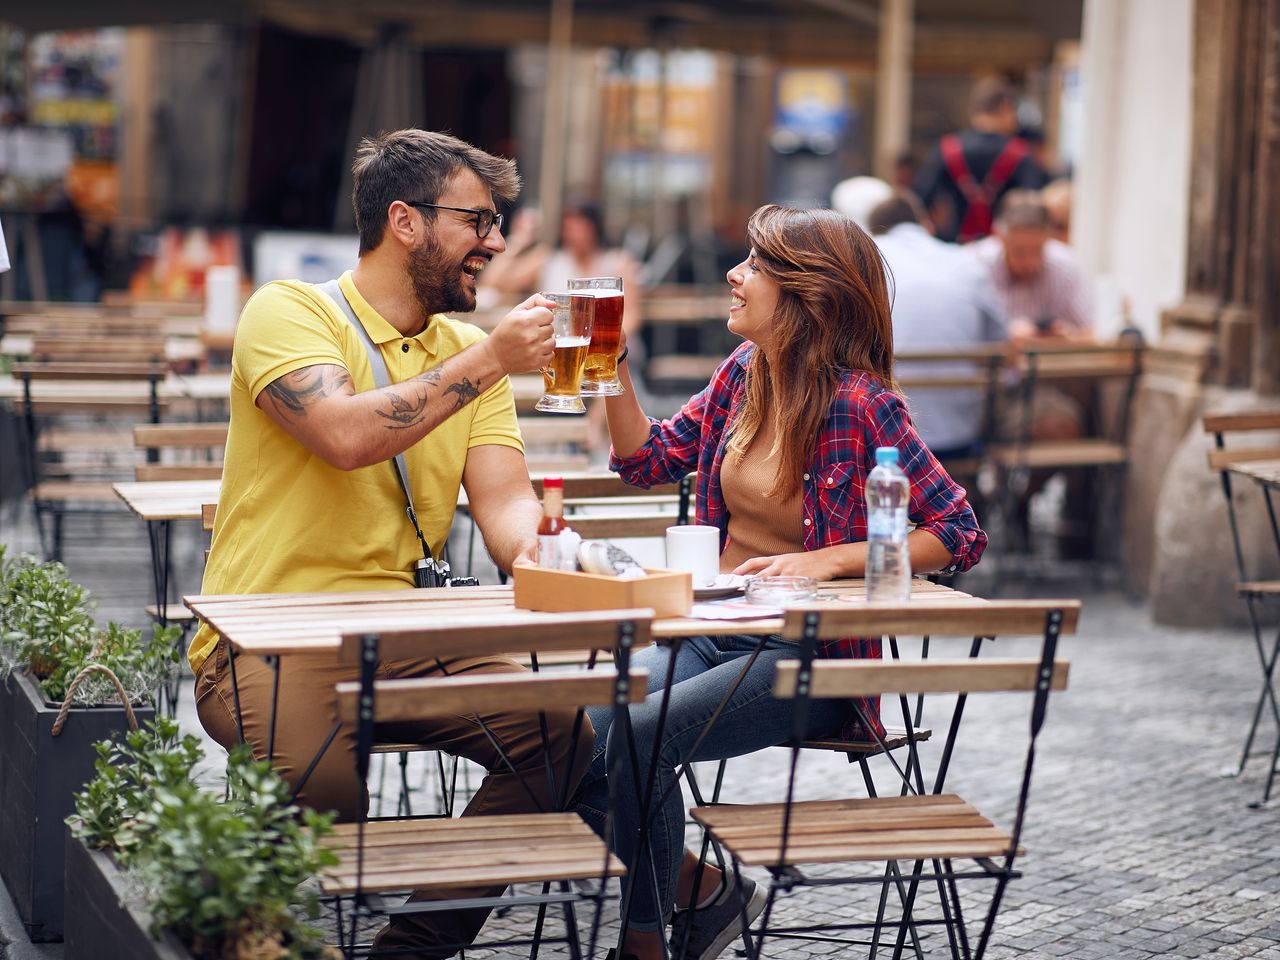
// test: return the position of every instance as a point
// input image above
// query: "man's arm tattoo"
(404, 413)
(432, 376)
(466, 391)
(296, 391)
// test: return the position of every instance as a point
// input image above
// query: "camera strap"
(382, 378)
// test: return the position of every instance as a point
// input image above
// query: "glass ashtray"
(781, 591)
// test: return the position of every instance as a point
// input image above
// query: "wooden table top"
(168, 499)
(1267, 471)
(271, 624)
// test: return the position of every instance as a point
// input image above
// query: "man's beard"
(437, 284)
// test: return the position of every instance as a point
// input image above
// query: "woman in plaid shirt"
(782, 440)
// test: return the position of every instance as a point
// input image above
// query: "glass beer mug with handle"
(600, 378)
(571, 320)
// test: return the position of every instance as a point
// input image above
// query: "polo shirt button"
(404, 347)
(808, 522)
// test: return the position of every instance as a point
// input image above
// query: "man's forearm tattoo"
(296, 391)
(432, 376)
(404, 413)
(466, 391)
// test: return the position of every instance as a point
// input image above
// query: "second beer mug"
(571, 320)
(600, 378)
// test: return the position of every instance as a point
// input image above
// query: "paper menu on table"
(737, 609)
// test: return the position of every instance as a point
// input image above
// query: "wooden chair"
(599, 506)
(1255, 592)
(1104, 450)
(71, 412)
(181, 451)
(555, 442)
(549, 847)
(970, 376)
(923, 825)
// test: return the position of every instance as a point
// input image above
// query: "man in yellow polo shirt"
(310, 497)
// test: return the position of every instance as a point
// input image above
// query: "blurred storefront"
(680, 119)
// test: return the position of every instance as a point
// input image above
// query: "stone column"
(1226, 330)
(893, 84)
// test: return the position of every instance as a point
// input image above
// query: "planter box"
(39, 775)
(104, 925)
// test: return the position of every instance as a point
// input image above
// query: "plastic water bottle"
(888, 564)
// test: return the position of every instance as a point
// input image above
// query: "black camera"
(435, 573)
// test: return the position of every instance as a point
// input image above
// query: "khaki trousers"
(306, 712)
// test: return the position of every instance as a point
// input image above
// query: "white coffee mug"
(696, 549)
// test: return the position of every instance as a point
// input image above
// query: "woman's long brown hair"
(832, 316)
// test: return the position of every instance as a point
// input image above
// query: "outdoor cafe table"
(159, 503)
(272, 626)
(275, 624)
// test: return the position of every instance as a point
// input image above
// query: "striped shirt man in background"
(1038, 280)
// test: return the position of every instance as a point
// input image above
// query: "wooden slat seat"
(1061, 453)
(682, 368)
(173, 613)
(894, 737)
(471, 851)
(71, 491)
(1269, 588)
(868, 829)
(604, 526)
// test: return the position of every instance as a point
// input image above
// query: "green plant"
(224, 876)
(47, 627)
(127, 775)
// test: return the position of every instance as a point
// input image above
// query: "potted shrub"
(160, 868)
(64, 684)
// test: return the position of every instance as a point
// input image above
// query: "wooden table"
(275, 624)
(1266, 472)
(158, 503)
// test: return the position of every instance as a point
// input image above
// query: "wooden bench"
(64, 404)
(181, 451)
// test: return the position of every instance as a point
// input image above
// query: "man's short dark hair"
(417, 165)
(989, 96)
(902, 207)
(1021, 209)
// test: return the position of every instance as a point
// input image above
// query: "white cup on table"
(695, 548)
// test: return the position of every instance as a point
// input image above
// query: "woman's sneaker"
(715, 926)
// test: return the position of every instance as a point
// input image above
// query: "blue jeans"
(705, 671)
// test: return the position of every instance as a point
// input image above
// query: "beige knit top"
(758, 525)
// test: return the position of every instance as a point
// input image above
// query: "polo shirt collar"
(382, 332)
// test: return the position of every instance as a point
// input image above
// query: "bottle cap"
(554, 483)
(886, 456)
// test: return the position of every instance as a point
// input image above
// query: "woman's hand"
(819, 564)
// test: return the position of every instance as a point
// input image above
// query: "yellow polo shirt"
(287, 521)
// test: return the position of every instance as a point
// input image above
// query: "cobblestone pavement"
(1136, 846)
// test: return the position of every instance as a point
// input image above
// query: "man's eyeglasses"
(485, 220)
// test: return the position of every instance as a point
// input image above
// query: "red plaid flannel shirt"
(863, 416)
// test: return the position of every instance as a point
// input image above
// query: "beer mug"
(600, 377)
(571, 320)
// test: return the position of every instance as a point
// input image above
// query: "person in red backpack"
(968, 172)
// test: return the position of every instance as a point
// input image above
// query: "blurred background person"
(1056, 197)
(965, 176)
(1040, 283)
(942, 299)
(530, 266)
(858, 196)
